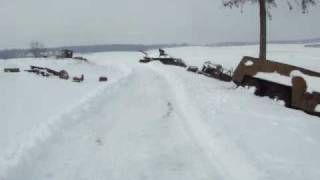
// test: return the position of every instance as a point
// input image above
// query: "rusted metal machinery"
(163, 58)
(63, 74)
(81, 58)
(281, 81)
(216, 71)
(103, 79)
(194, 69)
(66, 53)
(46, 72)
(11, 70)
(78, 79)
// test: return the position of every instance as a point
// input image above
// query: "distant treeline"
(12, 53)
(20, 53)
(306, 41)
(313, 45)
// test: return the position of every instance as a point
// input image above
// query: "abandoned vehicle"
(78, 79)
(103, 79)
(11, 70)
(288, 83)
(63, 74)
(216, 71)
(80, 58)
(193, 69)
(65, 53)
(163, 58)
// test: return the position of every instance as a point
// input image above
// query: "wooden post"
(263, 30)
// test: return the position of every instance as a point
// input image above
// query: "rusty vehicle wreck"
(293, 91)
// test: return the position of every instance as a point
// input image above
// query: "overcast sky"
(80, 22)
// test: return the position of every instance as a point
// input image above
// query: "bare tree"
(264, 5)
(37, 49)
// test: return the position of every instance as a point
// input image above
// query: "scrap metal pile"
(216, 71)
(47, 72)
(163, 58)
(282, 82)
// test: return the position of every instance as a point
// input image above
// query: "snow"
(248, 63)
(275, 77)
(317, 108)
(313, 83)
(152, 121)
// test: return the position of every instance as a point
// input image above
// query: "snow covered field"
(152, 121)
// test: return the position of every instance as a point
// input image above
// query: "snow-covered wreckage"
(163, 58)
(216, 71)
(299, 88)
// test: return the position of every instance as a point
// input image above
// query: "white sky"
(79, 22)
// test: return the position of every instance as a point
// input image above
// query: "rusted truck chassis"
(294, 95)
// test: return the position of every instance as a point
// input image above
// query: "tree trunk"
(263, 30)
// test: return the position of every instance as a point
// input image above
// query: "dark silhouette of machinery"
(163, 58)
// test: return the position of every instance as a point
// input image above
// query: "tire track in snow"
(221, 150)
(39, 134)
(139, 142)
